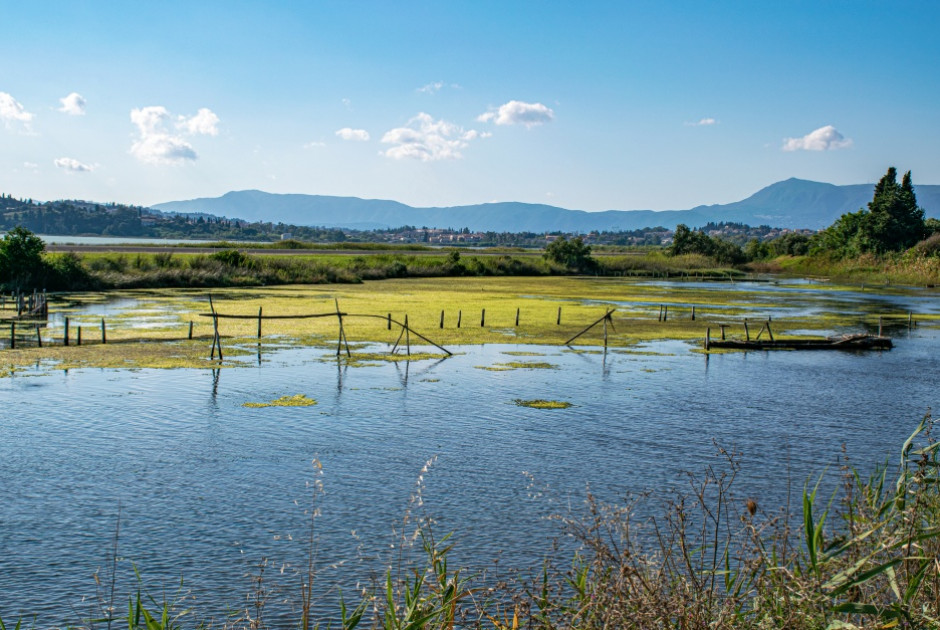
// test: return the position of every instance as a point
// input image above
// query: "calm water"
(207, 487)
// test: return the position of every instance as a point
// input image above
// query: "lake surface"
(207, 487)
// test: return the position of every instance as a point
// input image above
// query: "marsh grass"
(297, 400)
(165, 315)
(540, 403)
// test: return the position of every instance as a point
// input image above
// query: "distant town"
(85, 218)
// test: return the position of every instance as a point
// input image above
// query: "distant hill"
(793, 203)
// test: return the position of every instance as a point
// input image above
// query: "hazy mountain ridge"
(793, 203)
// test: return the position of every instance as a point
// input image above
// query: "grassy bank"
(236, 267)
(900, 269)
(864, 557)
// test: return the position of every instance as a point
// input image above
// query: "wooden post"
(442, 318)
(708, 338)
(39, 336)
(389, 321)
(407, 335)
(482, 318)
(910, 319)
(880, 325)
(259, 322)
(190, 329)
(660, 318)
(693, 312)
(66, 338)
(459, 316)
(104, 334)
(665, 312)
(747, 333)
(517, 317)
(558, 321)
(605, 330)
(79, 335)
(12, 335)
(770, 333)
(722, 327)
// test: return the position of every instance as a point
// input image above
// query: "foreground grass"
(864, 558)
(165, 315)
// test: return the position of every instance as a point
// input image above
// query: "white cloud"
(429, 140)
(155, 145)
(12, 111)
(73, 104)
(356, 135)
(205, 122)
(519, 113)
(347, 103)
(73, 165)
(823, 139)
(30, 165)
(704, 122)
(314, 144)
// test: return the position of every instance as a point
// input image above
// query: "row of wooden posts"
(66, 335)
(32, 304)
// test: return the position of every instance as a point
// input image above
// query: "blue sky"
(588, 105)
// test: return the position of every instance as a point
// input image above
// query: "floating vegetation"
(522, 353)
(517, 365)
(539, 403)
(297, 400)
(363, 359)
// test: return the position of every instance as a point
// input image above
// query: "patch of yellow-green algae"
(517, 365)
(539, 403)
(136, 318)
(297, 400)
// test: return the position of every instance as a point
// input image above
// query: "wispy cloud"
(73, 104)
(156, 145)
(73, 165)
(519, 113)
(429, 140)
(823, 139)
(355, 135)
(436, 86)
(703, 122)
(12, 112)
(314, 144)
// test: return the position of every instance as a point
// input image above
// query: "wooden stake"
(770, 333)
(482, 318)
(407, 335)
(722, 327)
(66, 338)
(12, 335)
(104, 335)
(747, 333)
(259, 321)
(79, 335)
(558, 321)
(693, 312)
(665, 313)
(517, 317)
(708, 339)
(880, 324)
(602, 319)
(607, 317)
(910, 319)
(190, 329)
(39, 336)
(459, 316)
(389, 321)
(442, 318)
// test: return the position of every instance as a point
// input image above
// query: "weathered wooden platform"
(844, 342)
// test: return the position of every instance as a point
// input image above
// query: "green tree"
(892, 221)
(21, 258)
(573, 254)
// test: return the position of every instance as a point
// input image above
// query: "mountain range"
(792, 203)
